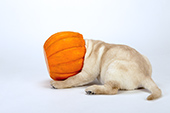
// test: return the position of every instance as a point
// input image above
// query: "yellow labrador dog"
(116, 67)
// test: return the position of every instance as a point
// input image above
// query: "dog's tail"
(151, 86)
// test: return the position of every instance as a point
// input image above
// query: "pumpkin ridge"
(76, 34)
(66, 73)
(66, 49)
(59, 34)
(68, 61)
(59, 40)
(61, 76)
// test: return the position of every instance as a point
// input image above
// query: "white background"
(26, 24)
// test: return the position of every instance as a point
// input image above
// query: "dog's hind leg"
(109, 88)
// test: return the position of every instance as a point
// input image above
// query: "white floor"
(26, 24)
(23, 92)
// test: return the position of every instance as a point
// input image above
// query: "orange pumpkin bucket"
(64, 54)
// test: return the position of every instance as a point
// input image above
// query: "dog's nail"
(89, 92)
(53, 87)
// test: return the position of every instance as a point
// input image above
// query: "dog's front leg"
(80, 79)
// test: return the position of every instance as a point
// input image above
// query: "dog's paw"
(57, 84)
(91, 90)
(52, 84)
(90, 93)
(53, 87)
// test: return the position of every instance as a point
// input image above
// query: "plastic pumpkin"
(64, 54)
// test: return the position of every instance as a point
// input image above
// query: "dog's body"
(116, 67)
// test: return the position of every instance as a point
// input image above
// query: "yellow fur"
(116, 67)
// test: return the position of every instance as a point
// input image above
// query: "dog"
(116, 66)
